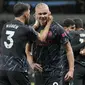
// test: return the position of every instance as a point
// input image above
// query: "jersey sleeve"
(63, 35)
(33, 34)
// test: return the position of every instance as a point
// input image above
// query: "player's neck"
(20, 19)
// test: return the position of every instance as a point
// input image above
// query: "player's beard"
(27, 21)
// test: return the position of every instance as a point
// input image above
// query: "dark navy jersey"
(14, 37)
(78, 39)
(64, 55)
(48, 53)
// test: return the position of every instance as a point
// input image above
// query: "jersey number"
(55, 83)
(81, 39)
(10, 39)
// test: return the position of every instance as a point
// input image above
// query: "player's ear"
(25, 14)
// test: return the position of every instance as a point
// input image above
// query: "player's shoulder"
(56, 25)
(80, 31)
(12, 23)
(21, 25)
(73, 32)
(7, 23)
(28, 27)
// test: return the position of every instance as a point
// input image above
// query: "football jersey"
(47, 53)
(14, 37)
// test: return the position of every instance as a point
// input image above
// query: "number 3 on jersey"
(10, 39)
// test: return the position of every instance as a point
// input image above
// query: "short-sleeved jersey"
(79, 37)
(48, 53)
(64, 55)
(14, 37)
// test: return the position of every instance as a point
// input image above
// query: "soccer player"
(15, 35)
(47, 53)
(79, 72)
(69, 26)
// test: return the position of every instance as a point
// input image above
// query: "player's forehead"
(42, 8)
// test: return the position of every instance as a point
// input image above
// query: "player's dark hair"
(20, 8)
(68, 22)
(78, 23)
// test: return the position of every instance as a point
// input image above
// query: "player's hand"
(69, 76)
(36, 66)
(36, 24)
(50, 18)
(82, 52)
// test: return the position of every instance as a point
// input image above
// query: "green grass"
(32, 83)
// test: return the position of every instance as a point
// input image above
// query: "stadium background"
(61, 9)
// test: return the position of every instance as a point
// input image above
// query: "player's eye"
(40, 13)
(44, 13)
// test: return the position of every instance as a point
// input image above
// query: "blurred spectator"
(80, 6)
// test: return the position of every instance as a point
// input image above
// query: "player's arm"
(36, 24)
(78, 47)
(30, 59)
(42, 36)
(28, 54)
(70, 58)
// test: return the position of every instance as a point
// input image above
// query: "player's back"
(81, 35)
(13, 34)
(81, 38)
(13, 40)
